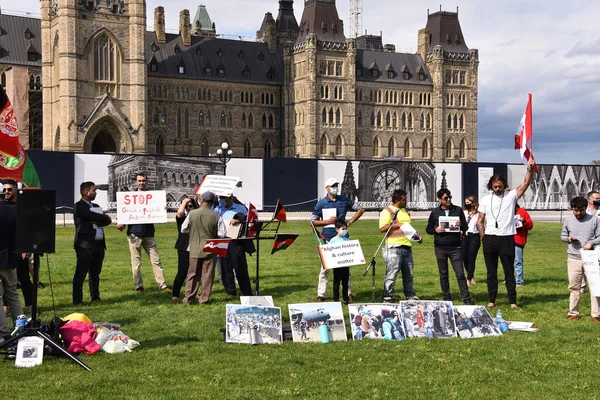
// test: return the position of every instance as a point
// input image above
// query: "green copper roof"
(202, 19)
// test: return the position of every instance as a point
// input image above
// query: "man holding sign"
(582, 232)
(142, 236)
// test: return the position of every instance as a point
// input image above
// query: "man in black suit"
(89, 242)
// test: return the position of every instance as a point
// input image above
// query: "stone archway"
(104, 143)
(108, 135)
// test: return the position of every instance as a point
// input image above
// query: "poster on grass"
(376, 322)
(149, 207)
(341, 254)
(428, 318)
(474, 322)
(253, 324)
(306, 319)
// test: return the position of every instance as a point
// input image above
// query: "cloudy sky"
(550, 48)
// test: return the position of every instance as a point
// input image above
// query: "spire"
(320, 17)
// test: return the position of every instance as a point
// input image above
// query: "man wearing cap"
(326, 212)
(201, 224)
(234, 213)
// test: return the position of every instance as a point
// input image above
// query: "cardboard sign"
(341, 254)
(142, 207)
(218, 184)
(30, 352)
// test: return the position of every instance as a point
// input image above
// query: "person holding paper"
(327, 210)
(496, 226)
(524, 225)
(397, 252)
(471, 241)
(582, 232)
(447, 243)
(234, 214)
(142, 236)
(340, 275)
(89, 242)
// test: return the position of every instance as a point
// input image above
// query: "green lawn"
(182, 355)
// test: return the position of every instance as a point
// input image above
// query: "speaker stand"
(33, 327)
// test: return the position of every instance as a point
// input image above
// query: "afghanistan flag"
(283, 241)
(14, 163)
(280, 214)
(318, 235)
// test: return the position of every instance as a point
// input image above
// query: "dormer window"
(406, 75)
(422, 76)
(390, 74)
(28, 34)
(246, 74)
(221, 72)
(177, 49)
(181, 69)
(375, 72)
(154, 47)
(241, 55)
(207, 71)
(261, 57)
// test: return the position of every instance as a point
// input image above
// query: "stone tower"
(94, 75)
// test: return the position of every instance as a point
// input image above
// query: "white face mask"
(343, 232)
(334, 191)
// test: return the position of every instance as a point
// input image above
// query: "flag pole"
(531, 122)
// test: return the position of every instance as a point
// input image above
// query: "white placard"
(485, 173)
(220, 185)
(450, 224)
(410, 232)
(142, 207)
(328, 213)
(592, 272)
(518, 223)
(30, 351)
(341, 254)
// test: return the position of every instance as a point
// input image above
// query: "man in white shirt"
(497, 229)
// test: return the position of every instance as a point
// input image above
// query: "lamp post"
(224, 154)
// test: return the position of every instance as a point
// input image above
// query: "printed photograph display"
(253, 324)
(376, 322)
(306, 318)
(475, 322)
(425, 318)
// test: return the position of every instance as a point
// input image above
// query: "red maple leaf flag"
(217, 246)
(524, 139)
(280, 214)
(252, 220)
(9, 133)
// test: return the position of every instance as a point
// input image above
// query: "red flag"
(252, 220)
(9, 133)
(524, 139)
(217, 246)
(280, 214)
(283, 241)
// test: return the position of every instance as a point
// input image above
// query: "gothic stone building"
(299, 90)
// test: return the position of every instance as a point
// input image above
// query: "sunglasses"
(8, 189)
(447, 198)
(189, 206)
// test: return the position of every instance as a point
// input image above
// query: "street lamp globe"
(230, 152)
(219, 152)
(224, 146)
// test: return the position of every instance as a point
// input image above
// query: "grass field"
(182, 355)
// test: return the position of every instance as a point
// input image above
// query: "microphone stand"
(373, 262)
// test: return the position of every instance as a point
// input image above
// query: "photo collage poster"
(475, 322)
(306, 319)
(253, 324)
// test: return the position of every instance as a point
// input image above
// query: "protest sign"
(592, 272)
(142, 207)
(220, 185)
(341, 254)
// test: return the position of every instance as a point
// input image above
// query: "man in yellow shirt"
(397, 252)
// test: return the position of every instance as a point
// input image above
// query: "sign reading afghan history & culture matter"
(341, 254)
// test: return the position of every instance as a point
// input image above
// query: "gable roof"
(368, 59)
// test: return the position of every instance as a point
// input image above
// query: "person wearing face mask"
(471, 241)
(524, 225)
(340, 275)
(234, 213)
(328, 210)
(182, 243)
(593, 198)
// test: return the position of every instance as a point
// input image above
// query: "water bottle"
(498, 320)
(19, 325)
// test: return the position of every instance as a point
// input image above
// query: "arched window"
(201, 118)
(154, 90)
(322, 91)
(323, 144)
(163, 117)
(178, 123)
(425, 149)
(324, 117)
(338, 116)
(155, 117)
(449, 148)
(264, 120)
(164, 92)
(339, 146)
(428, 121)
(462, 150)
(209, 95)
(422, 121)
(204, 147)
(378, 118)
(407, 147)
(394, 120)
(388, 119)
(177, 93)
(243, 120)
(404, 120)
(410, 120)
(208, 118)
(250, 121)
(461, 123)
(359, 118)
(229, 119)
(231, 96)
(247, 148)
(270, 120)
(200, 94)
(357, 146)
(160, 145)
(107, 60)
(555, 192)
(391, 147)
(268, 147)
(449, 121)
(376, 147)
(222, 120)
(331, 115)
(187, 123)
(372, 118)
(221, 95)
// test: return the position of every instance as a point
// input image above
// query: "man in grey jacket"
(582, 232)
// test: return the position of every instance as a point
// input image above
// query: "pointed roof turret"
(321, 18)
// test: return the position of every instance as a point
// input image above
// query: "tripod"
(33, 327)
(374, 262)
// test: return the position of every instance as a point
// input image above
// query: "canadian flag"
(252, 220)
(217, 246)
(524, 139)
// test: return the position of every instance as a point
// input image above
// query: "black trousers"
(183, 264)
(470, 248)
(454, 254)
(235, 261)
(89, 262)
(340, 275)
(502, 247)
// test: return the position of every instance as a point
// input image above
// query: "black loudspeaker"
(36, 221)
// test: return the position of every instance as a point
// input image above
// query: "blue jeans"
(398, 259)
(519, 264)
